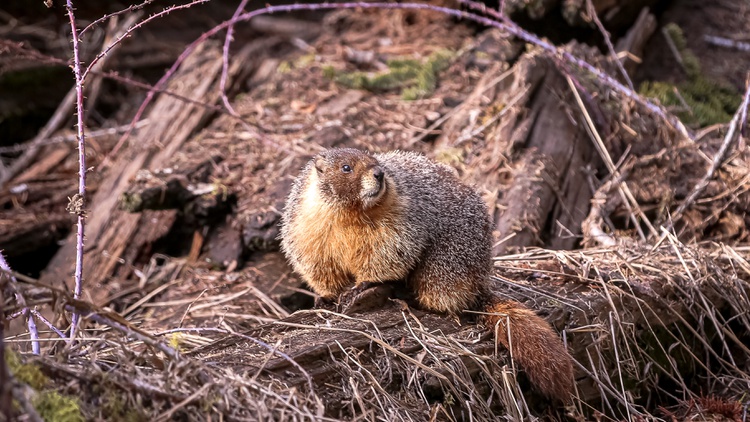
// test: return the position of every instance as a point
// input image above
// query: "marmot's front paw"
(324, 303)
(366, 296)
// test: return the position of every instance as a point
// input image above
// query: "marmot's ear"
(319, 162)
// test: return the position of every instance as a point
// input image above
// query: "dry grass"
(657, 326)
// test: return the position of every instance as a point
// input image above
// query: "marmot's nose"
(378, 173)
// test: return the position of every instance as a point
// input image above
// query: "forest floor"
(597, 225)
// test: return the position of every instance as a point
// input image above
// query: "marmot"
(353, 217)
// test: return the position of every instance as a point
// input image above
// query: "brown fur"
(534, 346)
(353, 217)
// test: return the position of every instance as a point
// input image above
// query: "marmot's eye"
(346, 168)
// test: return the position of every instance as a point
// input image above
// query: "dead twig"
(625, 192)
(93, 87)
(608, 40)
(9, 284)
(727, 43)
(73, 138)
(115, 321)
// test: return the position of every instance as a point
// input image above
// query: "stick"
(79, 201)
(11, 286)
(608, 41)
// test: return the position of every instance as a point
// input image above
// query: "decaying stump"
(536, 150)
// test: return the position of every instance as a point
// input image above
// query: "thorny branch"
(133, 28)
(225, 60)
(81, 164)
(112, 15)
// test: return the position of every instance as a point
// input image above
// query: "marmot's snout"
(373, 186)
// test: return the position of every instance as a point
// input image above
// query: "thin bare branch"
(130, 30)
(80, 201)
(10, 285)
(608, 40)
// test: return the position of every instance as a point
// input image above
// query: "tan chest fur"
(367, 246)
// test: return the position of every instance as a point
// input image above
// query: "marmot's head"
(350, 178)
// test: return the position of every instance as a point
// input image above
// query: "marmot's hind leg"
(443, 283)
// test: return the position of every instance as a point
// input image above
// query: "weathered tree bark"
(114, 235)
(535, 177)
(635, 39)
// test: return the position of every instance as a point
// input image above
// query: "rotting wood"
(33, 215)
(110, 233)
(43, 165)
(557, 151)
(635, 39)
(25, 232)
(537, 152)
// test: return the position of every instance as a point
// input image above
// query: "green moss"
(453, 157)
(131, 202)
(27, 373)
(356, 80)
(699, 101)
(304, 61)
(426, 78)
(417, 79)
(396, 77)
(708, 102)
(53, 406)
(449, 400)
(674, 32)
(284, 67)
(175, 340)
(691, 63)
(402, 63)
(329, 72)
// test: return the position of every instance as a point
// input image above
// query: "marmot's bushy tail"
(535, 346)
